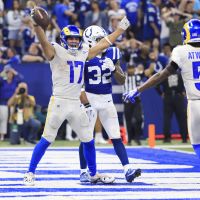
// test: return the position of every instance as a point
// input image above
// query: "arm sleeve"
(175, 57)
(172, 67)
(114, 54)
(63, 9)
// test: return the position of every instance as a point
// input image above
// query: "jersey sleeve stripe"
(114, 53)
(118, 54)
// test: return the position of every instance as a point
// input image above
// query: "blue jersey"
(160, 63)
(152, 15)
(97, 75)
(28, 38)
(8, 89)
(131, 7)
(59, 12)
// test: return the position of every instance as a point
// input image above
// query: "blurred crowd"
(153, 23)
(146, 47)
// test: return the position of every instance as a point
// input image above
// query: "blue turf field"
(166, 175)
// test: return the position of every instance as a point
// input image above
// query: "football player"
(67, 61)
(98, 94)
(185, 58)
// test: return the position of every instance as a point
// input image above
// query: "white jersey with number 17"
(187, 58)
(67, 72)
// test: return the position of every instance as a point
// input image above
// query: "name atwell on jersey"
(193, 55)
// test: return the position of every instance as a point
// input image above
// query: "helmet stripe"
(66, 31)
(80, 32)
(188, 36)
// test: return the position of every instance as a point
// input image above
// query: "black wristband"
(87, 105)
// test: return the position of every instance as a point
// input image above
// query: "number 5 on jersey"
(196, 73)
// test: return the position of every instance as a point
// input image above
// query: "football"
(41, 17)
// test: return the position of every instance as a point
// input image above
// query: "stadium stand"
(159, 18)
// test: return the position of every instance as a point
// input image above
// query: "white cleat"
(103, 178)
(29, 179)
(84, 177)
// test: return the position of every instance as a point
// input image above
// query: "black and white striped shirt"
(132, 81)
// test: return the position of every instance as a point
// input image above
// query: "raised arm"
(154, 80)
(159, 77)
(109, 40)
(48, 49)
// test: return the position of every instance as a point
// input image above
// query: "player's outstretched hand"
(109, 63)
(40, 17)
(124, 23)
(131, 95)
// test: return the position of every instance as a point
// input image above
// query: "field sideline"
(175, 144)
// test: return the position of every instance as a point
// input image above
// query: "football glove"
(91, 113)
(108, 63)
(131, 95)
(124, 23)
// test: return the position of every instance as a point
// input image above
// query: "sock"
(196, 148)
(83, 171)
(37, 154)
(90, 156)
(83, 162)
(120, 151)
(126, 167)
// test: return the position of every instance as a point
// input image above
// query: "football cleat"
(131, 174)
(103, 178)
(29, 179)
(84, 177)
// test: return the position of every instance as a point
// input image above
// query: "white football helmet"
(93, 34)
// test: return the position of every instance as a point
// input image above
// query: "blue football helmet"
(191, 31)
(71, 31)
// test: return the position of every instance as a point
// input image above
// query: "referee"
(133, 112)
(173, 93)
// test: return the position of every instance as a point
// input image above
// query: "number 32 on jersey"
(101, 74)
